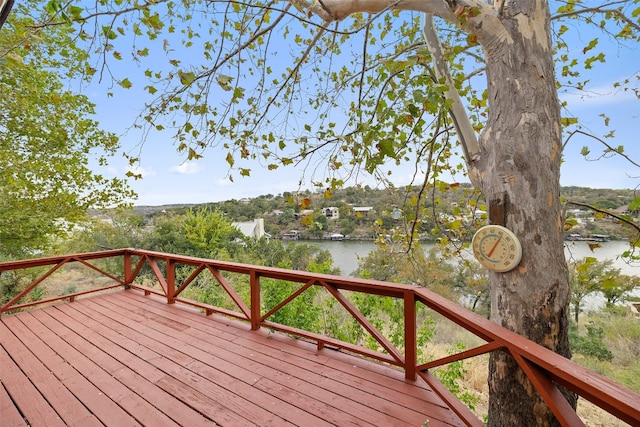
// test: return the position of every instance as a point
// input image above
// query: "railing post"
(171, 280)
(410, 339)
(127, 270)
(1, 306)
(255, 300)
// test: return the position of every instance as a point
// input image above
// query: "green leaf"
(592, 44)
(588, 63)
(125, 83)
(634, 205)
(75, 12)
(224, 81)
(386, 147)
(441, 88)
(186, 78)
(109, 33)
(193, 154)
(238, 93)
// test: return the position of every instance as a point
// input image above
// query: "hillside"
(447, 210)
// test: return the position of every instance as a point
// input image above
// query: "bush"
(591, 344)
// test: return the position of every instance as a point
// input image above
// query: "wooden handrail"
(545, 368)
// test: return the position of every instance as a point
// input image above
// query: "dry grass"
(69, 279)
(475, 378)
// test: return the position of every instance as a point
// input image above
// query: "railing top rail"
(51, 260)
(346, 283)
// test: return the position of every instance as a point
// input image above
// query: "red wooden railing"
(544, 368)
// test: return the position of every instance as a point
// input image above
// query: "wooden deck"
(124, 359)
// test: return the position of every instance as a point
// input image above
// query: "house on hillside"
(253, 229)
(362, 211)
(626, 210)
(396, 213)
(331, 212)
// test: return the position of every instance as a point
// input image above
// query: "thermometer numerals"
(497, 248)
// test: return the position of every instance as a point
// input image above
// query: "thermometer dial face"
(496, 248)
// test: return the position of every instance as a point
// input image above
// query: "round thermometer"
(497, 248)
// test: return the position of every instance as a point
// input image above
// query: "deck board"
(282, 368)
(70, 409)
(175, 357)
(8, 411)
(306, 384)
(126, 359)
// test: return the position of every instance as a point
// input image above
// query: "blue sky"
(168, 179)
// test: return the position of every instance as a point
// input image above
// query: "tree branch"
(608, 213)
(458, 114)
(602, 9)
(610, 148)
(427, 176)
(293, 71)
(337, 10)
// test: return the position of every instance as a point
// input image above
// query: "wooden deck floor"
(124, 359)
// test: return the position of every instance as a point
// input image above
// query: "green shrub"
(71, 289)
(37, 293)
(450, 376)
(591, 344)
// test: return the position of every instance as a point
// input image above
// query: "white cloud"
(139, 170)
(599, 95)
(186, 168)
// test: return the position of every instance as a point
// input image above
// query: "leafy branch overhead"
(275, 81)
(49, 142)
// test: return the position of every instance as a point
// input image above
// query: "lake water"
(346, 253)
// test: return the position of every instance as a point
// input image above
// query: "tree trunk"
(519, 169)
